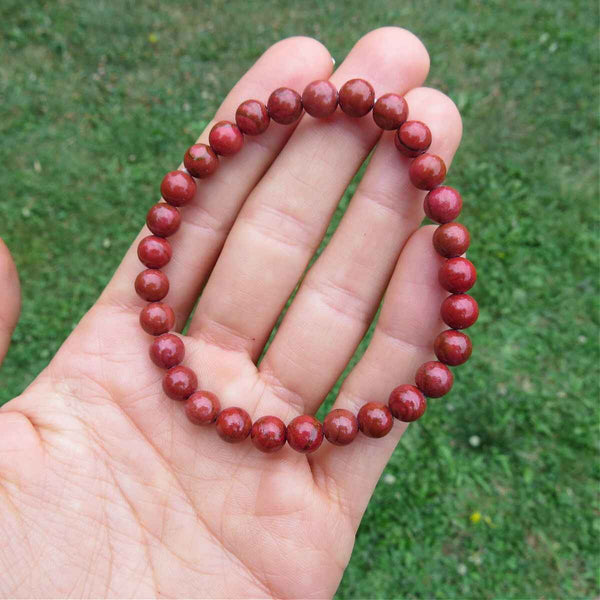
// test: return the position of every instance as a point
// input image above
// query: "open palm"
(106, 489)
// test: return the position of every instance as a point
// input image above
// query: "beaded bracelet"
(457, 275)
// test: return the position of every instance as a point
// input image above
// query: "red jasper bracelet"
(457, 275)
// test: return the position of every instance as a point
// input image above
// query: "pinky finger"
(10, 298)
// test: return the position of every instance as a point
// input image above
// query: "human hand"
(106, 489)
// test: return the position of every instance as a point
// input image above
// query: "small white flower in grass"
(582, 339)
(106, 243)
(475, 441)
(462, 569)
(449, 407)
(37, 166)
(544, 37)
(389, 478)
(26, 211)
(552, 48)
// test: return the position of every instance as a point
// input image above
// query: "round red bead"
(233, 424)
(407, 403)
(157, 318)
(320, 99)
(155, 252)
(179, 383)
(443, 204)
(305, 434)
(427, 171)
(413, 138)
(202, 407)
(252, 117)
(356, 97)
(201, 161)
(178, 188)
(459, 311)
(457, 275)
(453, 347)
(284, 106)
(375, 419)
(226, 138)
(163, 219)
(451, 239)
(390, 111)
(434, 379)
(268, 434)
(167, 351)
(152, 285)
(340, 427)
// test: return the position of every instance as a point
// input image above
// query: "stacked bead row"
(457, 275)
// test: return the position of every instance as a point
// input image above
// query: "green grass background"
(98, 98)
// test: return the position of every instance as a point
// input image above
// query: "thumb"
(10, 298)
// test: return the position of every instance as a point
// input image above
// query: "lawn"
(495, 493)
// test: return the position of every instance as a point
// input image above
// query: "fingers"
(10, 298)
(207, 220)
(340, 294)
(287, 214)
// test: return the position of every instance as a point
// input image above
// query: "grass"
(99, 98)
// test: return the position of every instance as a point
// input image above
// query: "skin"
(106, 489)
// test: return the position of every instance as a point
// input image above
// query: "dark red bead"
(434, 379)
(457, 275)
(201, 161)
(178, 188)
(356, 97)
(233, 424)
(179, 383)
(390, 111)
(167, 351)
(443, 204)
(202, 408)
(226, 138)
(305, 434)
(155, 252)
(453, 347)
(407, 403)
(163, 219)
(451, 239)
(375, 419)
(268, 434)
(340, 427)
(252, 117)
(152, 285)
(459, 311)
(284, 106)
(413, 138)
(320, 99)
(427, 171)
(157, 318)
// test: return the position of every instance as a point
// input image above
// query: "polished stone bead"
(252, 117)
(375, 419)
(459, 311)
(268, 434)
(167, 351)
(226, 138)
(320, 99)
(178, 188)
(154, 252)
(390, 111)
(427, 171)
(356, 97)
(179, 382)
(157, 318)
(457, 275)
(152, 285)
(233, 424)
(434, 379)
(453, 347)
(407, 403)
(200, 161)
(451, 239)
(202, 407)
(340, 427)
(443, 204)
(163, 219)
(413, 138)
(284, 106)
(305, 434)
